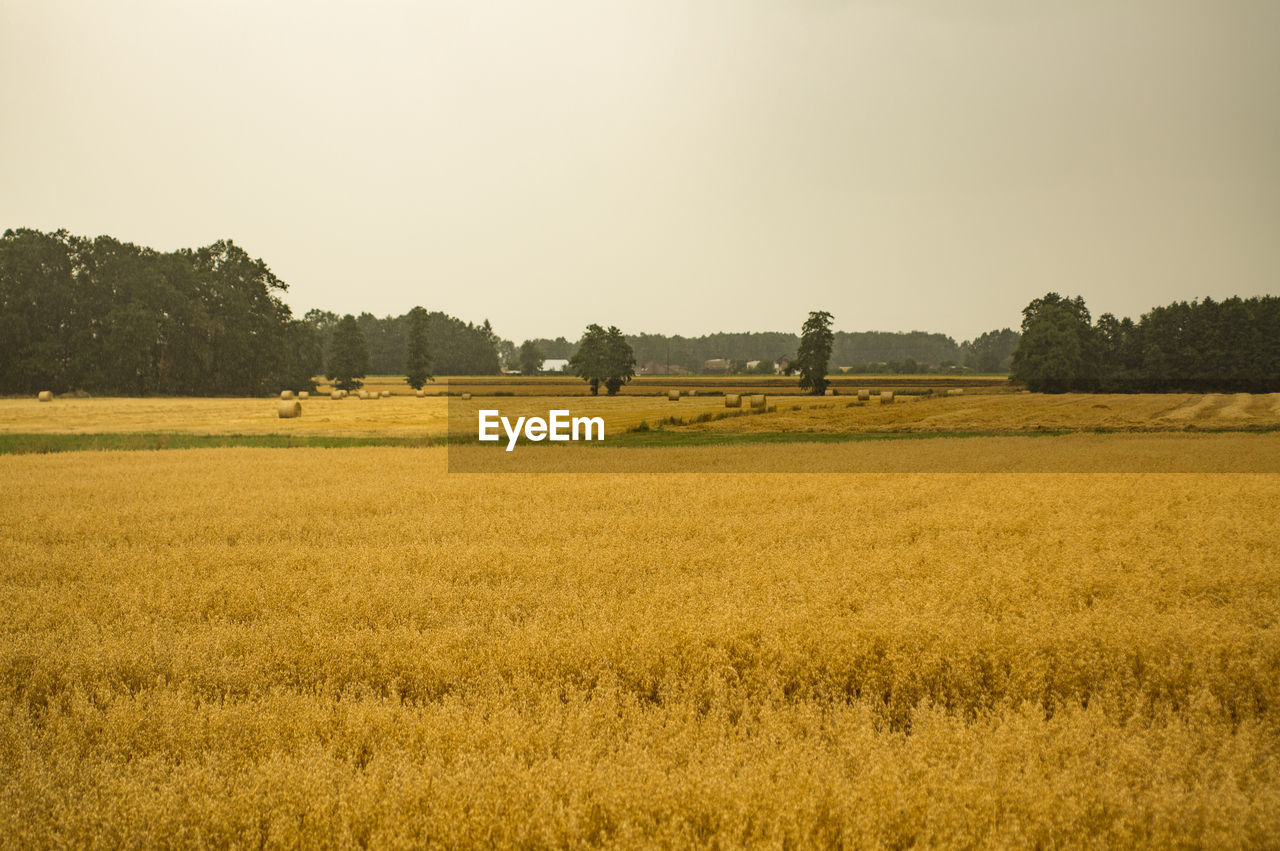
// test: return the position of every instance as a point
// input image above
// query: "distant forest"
(1206, 346)
(861, 351)
(110, 317)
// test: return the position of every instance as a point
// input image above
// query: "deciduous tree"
(815, 351)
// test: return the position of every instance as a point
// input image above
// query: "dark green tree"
(992, 351)
(588, 362)
(417, 357)
(1058, 351)
(620, 361)
(349, 360)
(530, 358)
(816, 340)
(324, 321)
(604, 357)
(303, 357)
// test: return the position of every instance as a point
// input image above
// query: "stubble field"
(406, 416)
(339, 647)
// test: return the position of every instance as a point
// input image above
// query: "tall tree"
(620, 361)
(992, 351)
(303, 357)
(588, 362)
(1059, 350)
(811, 361)
(530, 358)
(417, 358)
(604, 357)
(349, 361)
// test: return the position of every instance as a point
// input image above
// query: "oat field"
(354, 647)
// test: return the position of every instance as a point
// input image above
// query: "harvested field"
(402, 416)
(1020, 412)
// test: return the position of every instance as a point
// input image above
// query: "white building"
(555, 365)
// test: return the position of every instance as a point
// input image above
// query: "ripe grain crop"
(198, 650)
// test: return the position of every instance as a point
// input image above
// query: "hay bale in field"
(386, 394)
(364, 394)
(759, 400)
(673, 395)
(732, 400)
(693, 392)
(831, 391)
(290, 408)
(286, 394)
(303, 394)
(466, 397)
(45, 395)
(886, 397)
(420, 393)
(864, 395)
(955, 391)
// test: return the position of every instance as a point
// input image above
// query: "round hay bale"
(955, 392)
(673, 395)
(831, 391)
(864, 395)
(466, 397)
(693, 392)
(759, 400)
(420, 393)
(386, 394)
(286, 394)
(364, 394)
(886, 397)
(303, 394)
(290, 408)
(45, 396)
(732, 400)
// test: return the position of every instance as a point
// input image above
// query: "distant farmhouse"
(653, 367)
(555, 365)
(717, 365)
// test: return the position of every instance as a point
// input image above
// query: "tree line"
(114, 318)
(864, 351)
(1228, 346)
(455, 347)
(111, 317)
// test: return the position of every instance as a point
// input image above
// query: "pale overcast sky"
(677, 166)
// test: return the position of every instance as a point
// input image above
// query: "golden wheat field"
(354, 647)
